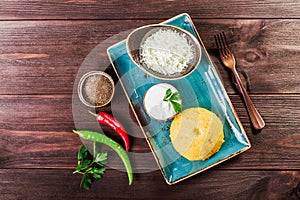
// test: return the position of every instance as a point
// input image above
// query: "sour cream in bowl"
(155, 105)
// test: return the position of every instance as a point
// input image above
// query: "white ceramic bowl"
(139, 35)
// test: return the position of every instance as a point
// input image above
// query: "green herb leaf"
(85, 164)
(90, 169)
(168, 94)
(87, 183)
(174, 99)
(101, 157)
(99, 171)
(82, 153)
(96, 176)
(177, 106)
(83, 182)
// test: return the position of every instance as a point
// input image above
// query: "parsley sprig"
(173, 98)
(90, 168)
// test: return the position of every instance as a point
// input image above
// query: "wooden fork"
(229, 61)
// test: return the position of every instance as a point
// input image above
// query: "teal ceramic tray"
(202, 88)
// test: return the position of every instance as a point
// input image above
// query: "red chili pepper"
(113, 123)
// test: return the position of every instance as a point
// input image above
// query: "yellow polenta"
(197, 133)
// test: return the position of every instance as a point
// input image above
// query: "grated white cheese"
(167, 52)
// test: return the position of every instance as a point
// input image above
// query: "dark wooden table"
(44, 43)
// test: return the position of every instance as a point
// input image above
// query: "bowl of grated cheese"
(164, 51)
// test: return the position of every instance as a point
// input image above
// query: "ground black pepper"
(97, 89)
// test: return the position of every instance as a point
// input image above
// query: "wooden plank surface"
(130, 9)
(42, 113)
(36, 132)
(46, 62)
(248, 185)
(42, 47)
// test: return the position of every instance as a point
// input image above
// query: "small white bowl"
(154, 105)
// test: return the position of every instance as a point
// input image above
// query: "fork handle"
(257, 120)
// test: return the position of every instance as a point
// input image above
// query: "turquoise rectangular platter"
(202, 88)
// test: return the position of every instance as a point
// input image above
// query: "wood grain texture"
(43, 57)
(42, 112)
(100, 9)
(51, 184)
(43, 45)
(36, 132)
(263, 49)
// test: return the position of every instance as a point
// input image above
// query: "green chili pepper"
(101, 138)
